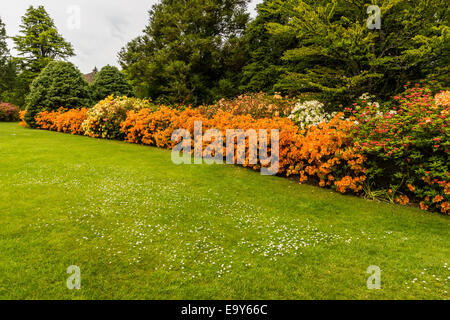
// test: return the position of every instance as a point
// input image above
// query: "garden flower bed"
(400, 155)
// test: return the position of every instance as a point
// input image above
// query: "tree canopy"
(339, 57)
(264, 65)
(60, 84)
(110, 81)
(7, 67)
(190, 50)
(38, 41)
(199, 51)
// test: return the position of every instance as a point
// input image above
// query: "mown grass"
(140, 227)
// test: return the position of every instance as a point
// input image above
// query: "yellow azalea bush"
(104, 119)
(443, 99)
(258, 105)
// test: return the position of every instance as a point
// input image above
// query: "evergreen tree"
(7, 67)
(60, 84)
(264, 65)
(109, 81)
(189, 51)
(38, 43)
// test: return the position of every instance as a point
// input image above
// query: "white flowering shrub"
(367, 100)
(366, 107)
(309, 113)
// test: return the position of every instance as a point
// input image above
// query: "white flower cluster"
(367, 99)
(309, 113)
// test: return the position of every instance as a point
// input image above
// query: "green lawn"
(140, 227)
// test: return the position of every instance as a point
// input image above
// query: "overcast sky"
(102, 29)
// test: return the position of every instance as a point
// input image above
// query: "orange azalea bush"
(47, 119)
(156, 127)
(287, 133)
(324, 153)
(62, 120)
(342, 154)
(22, 118)
(150, 127)
(71, 121)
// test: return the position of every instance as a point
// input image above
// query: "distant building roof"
(89, 77)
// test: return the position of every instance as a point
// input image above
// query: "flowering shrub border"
(407, 147)
(346, 154)
(323, 154)
(258, 105)
(309, 113)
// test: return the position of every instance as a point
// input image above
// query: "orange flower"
(423, 206)
(22, 118)
(445, 207)
(443, 98)
(62, 120)
(438, 198)
(411, 187)
(402, 199)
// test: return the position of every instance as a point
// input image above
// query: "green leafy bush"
(110, 81)
(60, 84)
(104, 119)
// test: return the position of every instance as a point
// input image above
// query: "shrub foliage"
(408, 147)
(9, 112)
(105, 117)
(400, 153)
(60, 84)
(110, 81)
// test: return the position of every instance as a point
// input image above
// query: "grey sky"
(105, 26)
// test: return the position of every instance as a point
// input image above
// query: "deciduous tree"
(339, 57)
